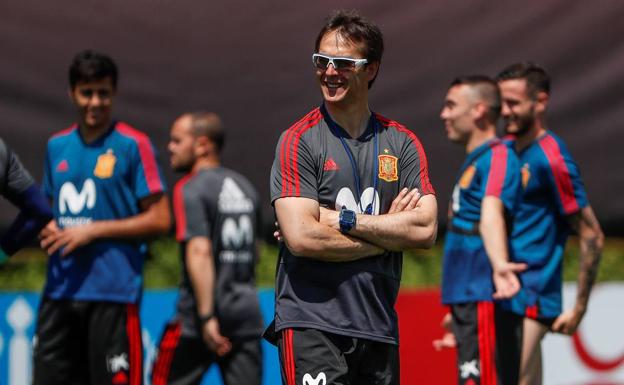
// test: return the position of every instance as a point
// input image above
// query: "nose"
(96, 100)
(331, 70)
(505, 111)
(443, 113)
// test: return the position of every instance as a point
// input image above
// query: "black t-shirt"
(222, 205)
(350, 298)
(14, 178)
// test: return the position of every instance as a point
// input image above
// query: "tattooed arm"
(591, 241)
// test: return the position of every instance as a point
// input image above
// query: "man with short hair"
(217, 214)
(476, 267)
(107, 194)
(554, 202)
(20, 189)
(351, 190)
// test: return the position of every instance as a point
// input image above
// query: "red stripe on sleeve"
(178, 207)
(498, 170)
(285, 152)
(311, 123)
(427, 187)
(148, 158)
(561, 173)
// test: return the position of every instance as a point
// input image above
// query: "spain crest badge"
(105, 165)
(526, 175)
(466, 178)
(388, 169)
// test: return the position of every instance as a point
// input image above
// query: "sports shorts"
(183, 360)
(489, 344)
(310, 356)
(84, 342)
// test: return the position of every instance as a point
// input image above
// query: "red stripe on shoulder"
(498, 169)
(289, 150)
(65, 131)
(561, 173)
(178, 207)
(427, 187)
(146, 152)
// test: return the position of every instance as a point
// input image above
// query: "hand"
(405, 201)
(568, 321)
(212, 337)
(69, 239)
(50, 229)
(448, 340)
(506, 282)
(277, 234)
(329, 217)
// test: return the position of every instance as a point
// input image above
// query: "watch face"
(348, 216)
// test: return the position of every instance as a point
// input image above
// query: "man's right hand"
(506, 282)
(212, 337)
(405, 201)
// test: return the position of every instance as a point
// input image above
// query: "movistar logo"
(70, 198)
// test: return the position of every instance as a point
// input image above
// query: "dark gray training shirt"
(222, 205)
(14, 178)
(351, 298)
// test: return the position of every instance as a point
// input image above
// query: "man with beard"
(218, 316)
(554, 202)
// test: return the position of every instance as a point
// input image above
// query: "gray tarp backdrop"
(250, 62)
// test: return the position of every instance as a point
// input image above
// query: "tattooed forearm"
(591, 250)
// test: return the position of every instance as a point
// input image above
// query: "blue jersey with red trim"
(102, 180)
(489, 170)
(553, 190)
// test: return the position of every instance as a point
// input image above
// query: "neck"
(524, 140)
(480, 136)
(91, 134)
(353, 117)
(204, 163)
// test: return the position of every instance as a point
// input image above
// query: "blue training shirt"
(553, 190)
(102, 180)
(489, 170)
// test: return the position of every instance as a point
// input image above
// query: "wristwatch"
(206, 317)
(347, 219)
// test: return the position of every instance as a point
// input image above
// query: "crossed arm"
(154, 219)
(311, 231)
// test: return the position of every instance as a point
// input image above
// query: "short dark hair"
(536, 77)
(487, 90)
(356, 29)
(208, 124)
(89, 65)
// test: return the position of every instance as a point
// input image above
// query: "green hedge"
(26, 271)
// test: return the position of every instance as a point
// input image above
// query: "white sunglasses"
(340, 63)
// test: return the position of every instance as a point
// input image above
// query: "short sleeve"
(147, 176)
(564, 176)
(413, 166)
(15, 178)
(190, 212)
(503, 176)
(293, 173)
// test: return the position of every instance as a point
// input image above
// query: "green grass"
(26, 271)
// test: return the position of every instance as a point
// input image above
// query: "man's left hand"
(568, 322)
(69, 239)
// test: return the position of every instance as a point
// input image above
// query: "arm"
(408, 229)
(494, 234)
(305, 236)
(201, 271)
(154, 219)
(591, 241)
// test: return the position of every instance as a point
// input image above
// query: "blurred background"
(251, 63)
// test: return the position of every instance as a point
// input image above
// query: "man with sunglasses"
(351, 191)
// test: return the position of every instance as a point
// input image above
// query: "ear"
(479, 111)
(371, 70)
(541, 101)
(70, 93)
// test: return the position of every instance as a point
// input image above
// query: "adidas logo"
(63, 166)
(330, 165)
(232, 199)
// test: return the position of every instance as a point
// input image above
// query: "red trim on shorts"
(178, 207)
(561, 173)
(133, 328)
(288, 356)
(427, 187)
(288, 153)
(531, 312)
(487, 342)
(168, 344)
(498, 170)
(146, 152)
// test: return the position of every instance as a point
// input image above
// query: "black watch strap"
(206, 317)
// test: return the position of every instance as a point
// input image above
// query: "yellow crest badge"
(388, 169)
(105, 165)
(526, 175)
(466, 178)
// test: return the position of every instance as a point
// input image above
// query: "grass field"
(26, 270)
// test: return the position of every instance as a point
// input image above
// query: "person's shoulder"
(305, 123)
(127, 132)
(553, 149)
(395, 128)
(61, 137)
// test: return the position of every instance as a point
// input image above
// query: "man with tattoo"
(554, 202)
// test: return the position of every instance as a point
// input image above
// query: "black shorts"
(183, 360)
(489, 344)
(79, 342)
(309, 356)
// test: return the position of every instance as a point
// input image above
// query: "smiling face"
(459, 114)
(348, 86)
(94, 100)
(519, 108)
